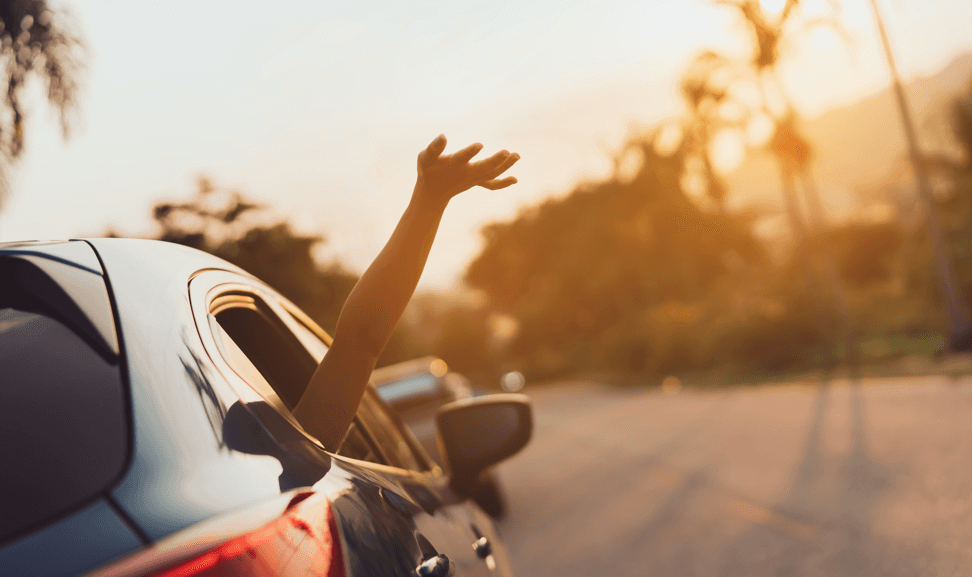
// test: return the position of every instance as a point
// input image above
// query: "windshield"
(424, 385)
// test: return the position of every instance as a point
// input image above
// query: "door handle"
(437, 566)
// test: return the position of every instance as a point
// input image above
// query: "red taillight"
(302, 542)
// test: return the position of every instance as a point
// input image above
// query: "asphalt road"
(873, 478)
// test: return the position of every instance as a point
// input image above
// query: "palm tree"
(960, 324)
(707, 91)
(791, 148)
(35, 42)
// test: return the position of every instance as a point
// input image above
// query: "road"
(864, 478)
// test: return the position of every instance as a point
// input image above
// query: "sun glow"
(773, 6)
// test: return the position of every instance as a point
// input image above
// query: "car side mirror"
(477, 433)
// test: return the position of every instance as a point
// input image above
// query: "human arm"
(377, 301)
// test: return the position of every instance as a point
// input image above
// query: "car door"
(449, 524)
(395, 509)
(445, 523)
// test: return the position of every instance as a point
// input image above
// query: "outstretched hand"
(440, 177)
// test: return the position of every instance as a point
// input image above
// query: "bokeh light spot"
(513, 381)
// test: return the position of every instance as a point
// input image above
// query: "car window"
(398, 444)
(267, 342)
(360, 444)
(63, 420)
(309, 337)
(415, 386)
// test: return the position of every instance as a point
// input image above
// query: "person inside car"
(378, 299)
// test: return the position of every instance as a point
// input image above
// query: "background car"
(417, 389)
(145, 428)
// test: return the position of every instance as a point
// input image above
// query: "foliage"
(592, 276)
(638, 276)
(35, 42)
(222, 223)
(864, 252)
(227, 224)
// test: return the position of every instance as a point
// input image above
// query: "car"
(417, 390)
(145, 429)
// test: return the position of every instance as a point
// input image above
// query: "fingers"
(492, 170)
(489, 165)
(489, 179)
(498, 184)
(432, 151)
(466, 154)
(458, 173)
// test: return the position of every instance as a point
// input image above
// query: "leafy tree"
(770, 34)
(227, 224)
(35, 42)
(592, 277)
(707, 92)
(865, 252)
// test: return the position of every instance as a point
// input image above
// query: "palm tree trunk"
(802, 246)
(960, 326)
(844, 330)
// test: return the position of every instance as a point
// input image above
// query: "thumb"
(432, 151)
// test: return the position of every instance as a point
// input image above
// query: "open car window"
(267, 342)
(401, 449)
(275, 350)
(362, 445)
(247, 334)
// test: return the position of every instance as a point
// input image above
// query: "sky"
(317, 109)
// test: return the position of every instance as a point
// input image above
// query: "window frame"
(399, 428)
(215, 289)
(205, 288)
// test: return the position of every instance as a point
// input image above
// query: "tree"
(216, 220)
(962, 125)
(227, 224)
(770, 33)
(603, 278)
(712, 108)
(959, 321)
(35, 42)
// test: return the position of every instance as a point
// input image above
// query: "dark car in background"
(417, 390)
(145, 429)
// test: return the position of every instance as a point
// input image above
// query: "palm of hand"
(444, 176)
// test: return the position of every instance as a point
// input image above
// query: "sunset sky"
(319, 108)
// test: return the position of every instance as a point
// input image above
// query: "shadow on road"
(598, 495)
(805, 479)
(584, 512)
(835, 499)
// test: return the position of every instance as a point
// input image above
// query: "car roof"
(146, 256)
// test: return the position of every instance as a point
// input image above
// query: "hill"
(859, 147)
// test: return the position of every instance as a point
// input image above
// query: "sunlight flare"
(773, 6)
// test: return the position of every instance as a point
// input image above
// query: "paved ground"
(873, 478)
